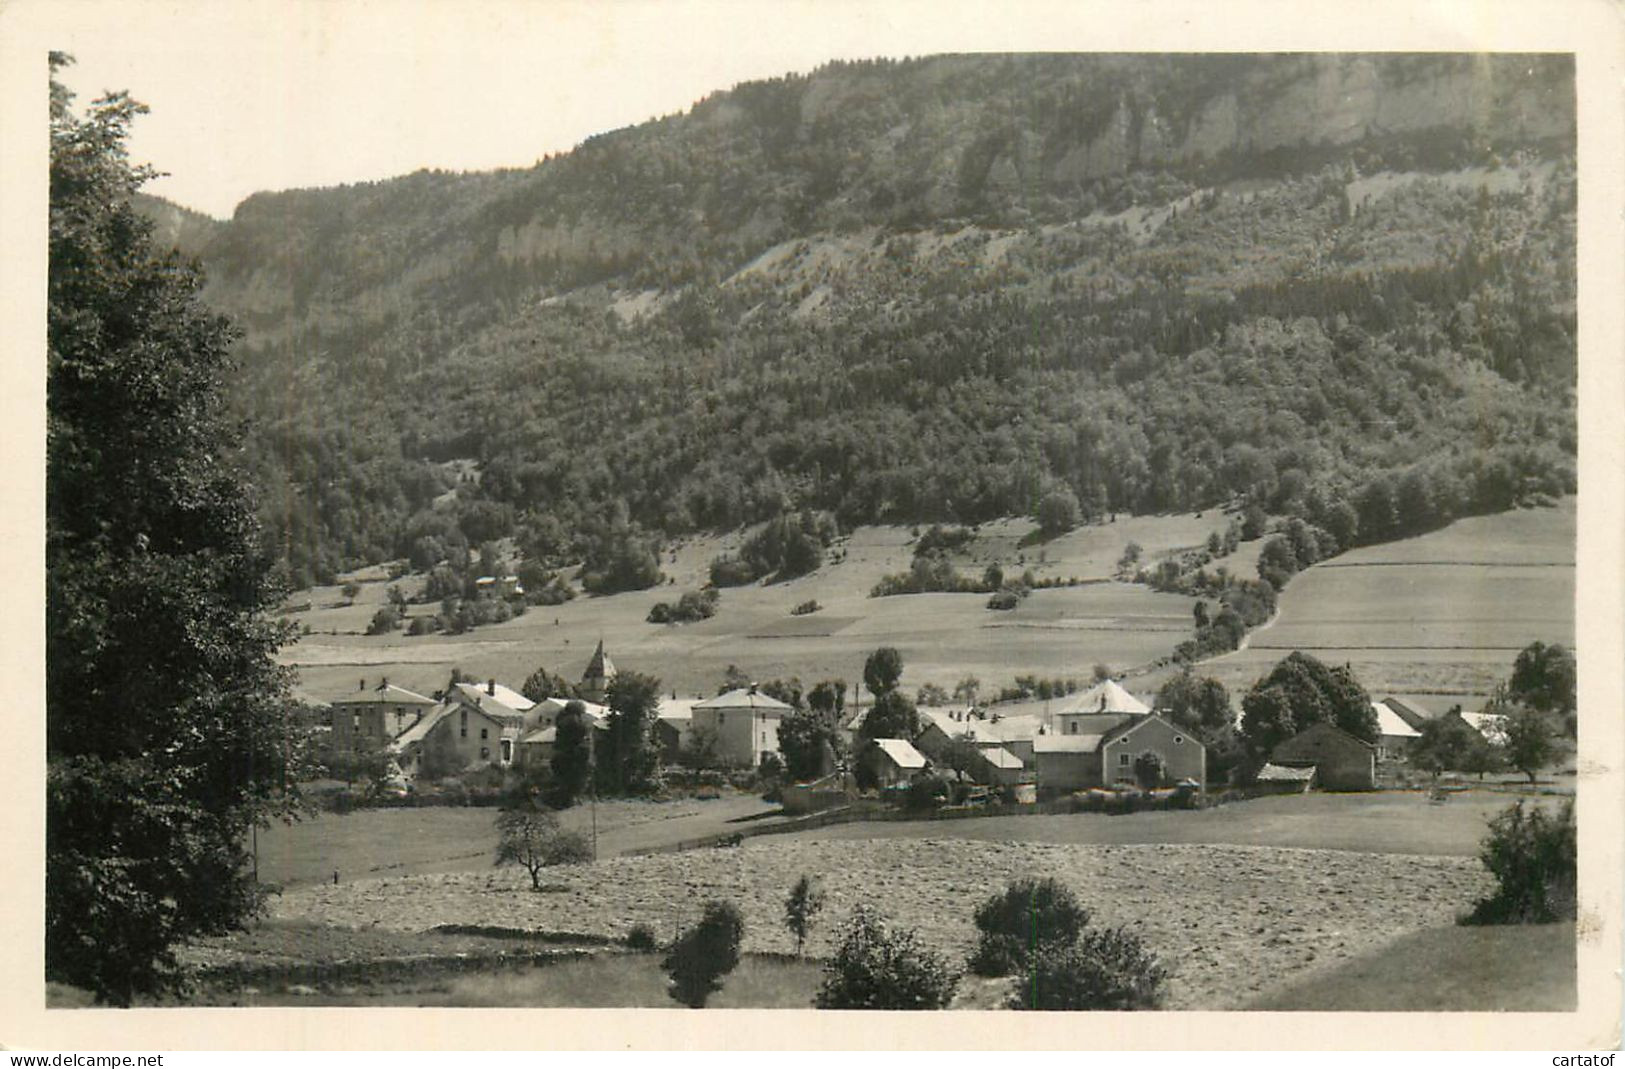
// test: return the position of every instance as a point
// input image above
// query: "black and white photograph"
(707, 507)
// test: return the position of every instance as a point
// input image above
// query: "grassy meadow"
(1499, 968)
(943, 637)
(1439, 617)
(372, 843)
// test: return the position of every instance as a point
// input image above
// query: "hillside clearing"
(1439, 617)
(943, 637)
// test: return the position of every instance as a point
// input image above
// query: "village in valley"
(1069, 531)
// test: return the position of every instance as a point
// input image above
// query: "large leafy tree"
(629, 760)
(1544, 678)
(572, 754)
(166, 727)
(1300, 692)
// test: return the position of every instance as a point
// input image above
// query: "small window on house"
(1071, 727)
(721, 718)
(485, 733)
(507, 750)
(1122, 760)
(1178, 739)
(462, 724)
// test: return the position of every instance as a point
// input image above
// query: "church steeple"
(600, 670)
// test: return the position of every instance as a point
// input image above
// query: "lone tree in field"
(700, 957)
(157, 590)
(800, 909)
(530, 837)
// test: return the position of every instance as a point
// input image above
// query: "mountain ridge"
(864, 251)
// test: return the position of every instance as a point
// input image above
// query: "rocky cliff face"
(993, 140)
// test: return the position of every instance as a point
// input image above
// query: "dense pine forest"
(1340, 288)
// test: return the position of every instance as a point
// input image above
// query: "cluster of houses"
(1102, 737)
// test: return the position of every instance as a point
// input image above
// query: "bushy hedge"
(881, 967)
(1104, 969)
(1532, 855)
(1038, 930)
(1028, 916)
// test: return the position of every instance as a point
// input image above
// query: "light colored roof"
(1107, 697)
(421, 727)
(1282, 774)
(385, 693)
(547, 736)
(1489, 725)
(902, 753)
(481, 694)
(744, 698)
(999, 757)
(1412, 712)
(1066, 743)
(593, 710)
(676, 708)
(1391, 723)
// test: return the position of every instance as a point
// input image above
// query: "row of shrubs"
(1035, 929)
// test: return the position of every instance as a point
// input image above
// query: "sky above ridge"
(280, 94)
(356, 92)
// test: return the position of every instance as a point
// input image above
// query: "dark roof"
(600, 667)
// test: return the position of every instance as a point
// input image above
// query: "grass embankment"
(1501, 968)
(396, 842)
(1381, 822)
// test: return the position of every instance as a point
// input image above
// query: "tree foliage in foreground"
(166, 732)
(1533, 855)
(881, 967)
(1025, 917)
(701, 956)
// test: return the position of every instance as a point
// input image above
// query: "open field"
(1227, 920)
(1385, 822)
(1506, 968)
(374, 842)
(1439, 617)
(943, 637)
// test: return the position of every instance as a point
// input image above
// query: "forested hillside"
(937, 289)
